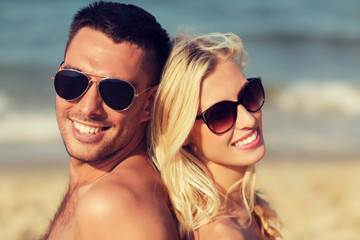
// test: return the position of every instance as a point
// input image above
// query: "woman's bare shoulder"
(220, 229)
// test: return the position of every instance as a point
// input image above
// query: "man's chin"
(84, 155)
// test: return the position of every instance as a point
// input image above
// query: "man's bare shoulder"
(128, 203)
(129, 184)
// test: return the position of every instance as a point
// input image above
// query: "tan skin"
(227, 162)
(114, 191)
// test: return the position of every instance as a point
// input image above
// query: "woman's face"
(232, 149)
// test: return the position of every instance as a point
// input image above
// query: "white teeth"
(247, 140)
(86, 129)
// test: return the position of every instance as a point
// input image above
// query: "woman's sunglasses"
(221, 117)
(116, 93)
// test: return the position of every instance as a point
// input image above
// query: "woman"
(206, 136)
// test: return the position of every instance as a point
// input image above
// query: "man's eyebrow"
(80, 70)
(134, 83)
(72, 67)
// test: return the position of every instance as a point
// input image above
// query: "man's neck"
(85, 173)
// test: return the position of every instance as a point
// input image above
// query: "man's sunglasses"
(221, 117)
(116, 93)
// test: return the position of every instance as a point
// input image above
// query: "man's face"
(92, 131)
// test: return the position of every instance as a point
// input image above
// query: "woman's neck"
(225, 177)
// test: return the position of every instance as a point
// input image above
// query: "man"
(105, 91)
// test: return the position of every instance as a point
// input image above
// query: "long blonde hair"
(195, 199)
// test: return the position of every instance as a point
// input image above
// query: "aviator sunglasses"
(116, 93)
(221, 117)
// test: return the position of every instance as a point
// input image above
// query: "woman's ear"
(149, 104)
(189, 146)
(187, 142)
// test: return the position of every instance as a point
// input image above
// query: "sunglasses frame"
(98, 82)
(237, 103)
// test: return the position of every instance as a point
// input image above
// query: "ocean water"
(307, 52)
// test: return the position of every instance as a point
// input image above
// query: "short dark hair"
(126, 22)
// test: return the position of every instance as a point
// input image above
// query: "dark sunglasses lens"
(117, 94)
(69, 84)
(221, 116)
(253, 95)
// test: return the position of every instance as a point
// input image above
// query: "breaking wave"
(335, 97)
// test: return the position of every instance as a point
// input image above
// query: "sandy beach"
(315, 199)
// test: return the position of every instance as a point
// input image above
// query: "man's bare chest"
(63, 224)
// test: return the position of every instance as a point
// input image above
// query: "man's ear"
(149, 104)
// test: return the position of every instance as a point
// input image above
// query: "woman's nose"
(245, 119)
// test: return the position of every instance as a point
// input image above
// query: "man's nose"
(91, 103)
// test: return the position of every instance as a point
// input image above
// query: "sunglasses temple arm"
(138, 94)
